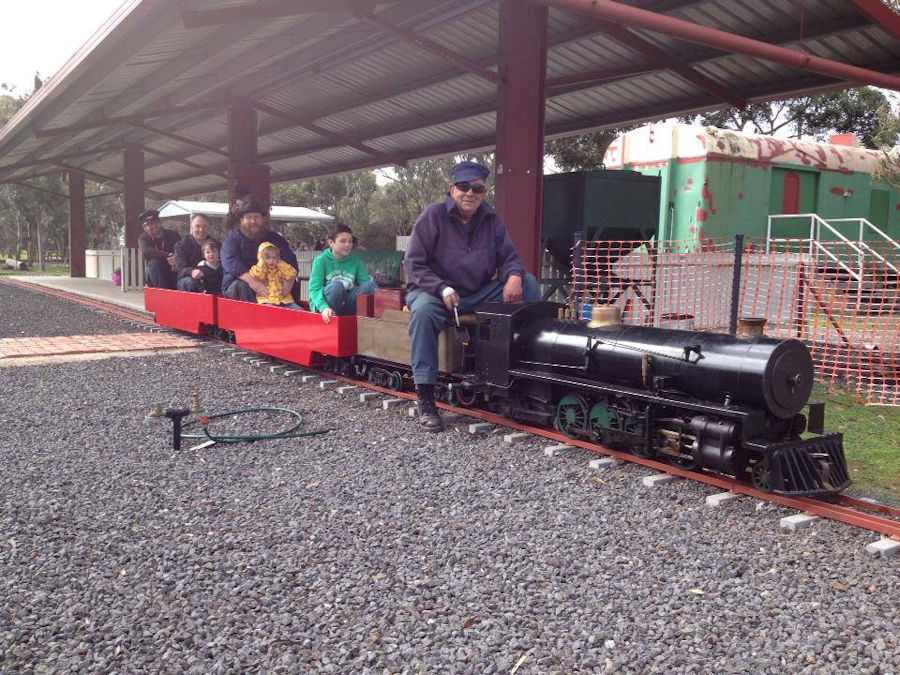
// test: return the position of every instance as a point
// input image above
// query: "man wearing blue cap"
(459, 255)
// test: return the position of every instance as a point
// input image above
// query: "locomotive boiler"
(698, 400)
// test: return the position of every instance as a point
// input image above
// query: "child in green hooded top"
(338, 276)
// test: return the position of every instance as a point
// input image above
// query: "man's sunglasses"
(465, 186)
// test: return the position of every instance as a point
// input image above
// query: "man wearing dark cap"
(459, 255)
(158, 247)
(239, 252)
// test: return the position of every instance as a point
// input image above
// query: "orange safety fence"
(841, 298)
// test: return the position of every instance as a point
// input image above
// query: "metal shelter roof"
(287, 214)
(342, 85)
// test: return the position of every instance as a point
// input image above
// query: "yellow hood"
(262, 247)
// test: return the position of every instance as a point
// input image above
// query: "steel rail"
(845, 510)
(840, 508)
(90, 302)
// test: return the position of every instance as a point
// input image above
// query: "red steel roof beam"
(279, 9)
(100, 150)
(182, 160)
(669, 61)
(431, 47)
(607, 10)
(182, 139)
(135, 119)
(330, 135)
(602, 75)
(881, 14)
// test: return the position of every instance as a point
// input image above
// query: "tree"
(410, 189)
(578, 153)
(847, 111)
(886, 139)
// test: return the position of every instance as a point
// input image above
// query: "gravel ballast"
(382, 548)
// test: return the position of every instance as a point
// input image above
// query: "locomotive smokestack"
(751, 326)
(605, 315)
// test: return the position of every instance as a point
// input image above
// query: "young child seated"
(277, 275)
(211, 266)
(338, 276)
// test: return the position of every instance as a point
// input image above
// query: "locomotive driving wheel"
(396, 381)
(572, 415)
(761, 475)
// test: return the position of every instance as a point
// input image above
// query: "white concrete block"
(480, 427)
(657, 479)
(306, 379)
(326, 384)
(516, 437)
(799, 521)
(554, 450)
(277, 369)
(393, 402)
(367, 396)
(259, 363)
(236, 355)
(721, 498)
(292, 373)
(343, 391)
(412, 411)
(884, 547)
(605, 463)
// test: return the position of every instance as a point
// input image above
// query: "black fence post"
(736, 282)
(576, 263)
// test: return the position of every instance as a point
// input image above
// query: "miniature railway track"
(130, 315)
(876, 517)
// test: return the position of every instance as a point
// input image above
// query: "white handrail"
(856, 277)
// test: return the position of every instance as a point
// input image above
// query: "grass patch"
(870, 442)
(52, 270)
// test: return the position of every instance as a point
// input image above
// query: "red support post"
(519, 161)
(77, 236)
(134, 193)
(243, 166)
(242, 133)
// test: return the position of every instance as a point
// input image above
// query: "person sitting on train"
(210, 268)
(277, 275)
(338, 276)
(240, 250)
(189, 252)
(158, 247)
(459, 255)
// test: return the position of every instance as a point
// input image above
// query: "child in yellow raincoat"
(277, 275)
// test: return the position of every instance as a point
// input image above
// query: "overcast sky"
(41, 35)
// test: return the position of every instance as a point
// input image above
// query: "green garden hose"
(204, 420)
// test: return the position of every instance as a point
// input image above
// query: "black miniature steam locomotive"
(698, 400)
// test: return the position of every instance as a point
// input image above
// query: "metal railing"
(819, 246)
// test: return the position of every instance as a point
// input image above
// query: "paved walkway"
(89, 344)
(96, 289)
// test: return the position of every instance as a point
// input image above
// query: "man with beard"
(239, 252)
(459, 255)
(158, 247)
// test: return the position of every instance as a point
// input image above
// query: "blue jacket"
(239, 254)
(443, 251)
